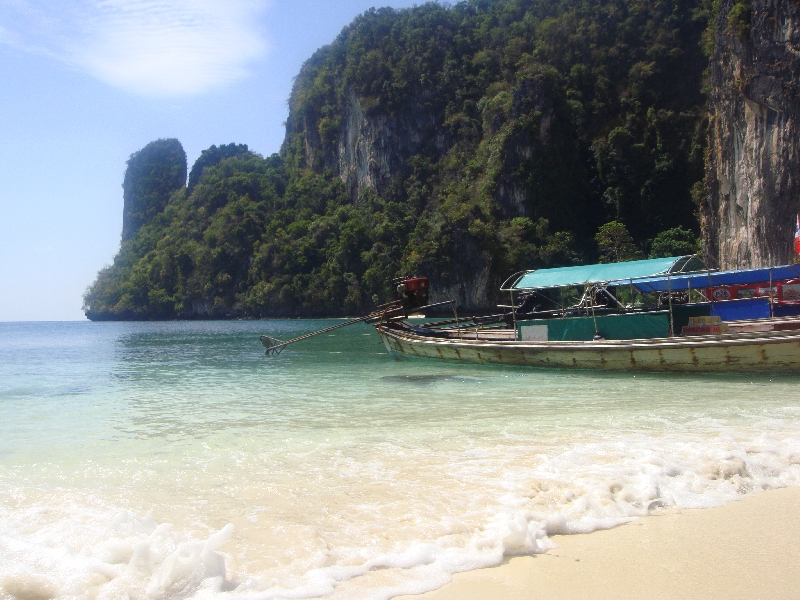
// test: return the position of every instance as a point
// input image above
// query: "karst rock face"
(153, 174)
(373, 149)
(753, 169)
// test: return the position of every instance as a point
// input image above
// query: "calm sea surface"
(175, 460)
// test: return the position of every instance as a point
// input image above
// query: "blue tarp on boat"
(738, 310)
(695, 281)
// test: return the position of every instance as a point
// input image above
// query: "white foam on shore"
(469, 508)
(83, 553)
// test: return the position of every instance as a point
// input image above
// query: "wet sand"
(748, 549)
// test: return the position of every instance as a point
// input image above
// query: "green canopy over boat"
(604, 273)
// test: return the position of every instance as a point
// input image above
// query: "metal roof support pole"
(513, 313)
(592, 294)
(633, 304)
(669, 299)
(710, 292)
(589, 291)
(771, 312)
(455, 312)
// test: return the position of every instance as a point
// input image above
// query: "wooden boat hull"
(744, 352)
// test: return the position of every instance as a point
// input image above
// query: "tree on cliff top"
(210, 157)
(153, 174)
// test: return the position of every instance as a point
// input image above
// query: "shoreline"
(744, 549)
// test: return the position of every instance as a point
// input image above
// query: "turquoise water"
(175, 460)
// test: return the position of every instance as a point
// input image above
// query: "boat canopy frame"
(604, 274)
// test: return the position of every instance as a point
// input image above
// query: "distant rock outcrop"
(153, 174)
(753, 177)
(210, 157)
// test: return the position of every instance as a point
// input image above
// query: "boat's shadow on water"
(484, 372)
(422, 380)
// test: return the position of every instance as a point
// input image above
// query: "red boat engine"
(412, 292)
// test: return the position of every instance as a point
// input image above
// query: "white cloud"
(151, 47)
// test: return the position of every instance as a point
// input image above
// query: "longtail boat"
(777, 351)
(695, 321)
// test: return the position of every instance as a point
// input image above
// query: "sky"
(86, 83)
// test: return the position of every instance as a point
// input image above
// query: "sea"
(177, 460)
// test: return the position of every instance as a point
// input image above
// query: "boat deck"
(504, 334)
(487, 334)
(763, 325)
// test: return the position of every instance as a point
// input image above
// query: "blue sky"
(85, 83)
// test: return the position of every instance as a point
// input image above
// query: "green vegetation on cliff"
(460, 142)
(153, 174)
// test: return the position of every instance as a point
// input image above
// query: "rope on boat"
(275, 346)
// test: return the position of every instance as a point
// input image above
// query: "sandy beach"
(746, 549)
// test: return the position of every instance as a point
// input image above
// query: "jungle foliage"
(538, 121)
(153, 174)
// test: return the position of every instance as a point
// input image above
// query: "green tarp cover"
(611, 327)
(587, 274)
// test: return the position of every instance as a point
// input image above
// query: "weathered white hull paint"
(754, 352)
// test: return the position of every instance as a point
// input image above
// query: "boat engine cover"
(412, 292)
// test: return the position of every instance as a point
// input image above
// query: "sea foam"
(86, 554)
(512, 501)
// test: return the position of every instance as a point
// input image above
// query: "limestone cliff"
(753, 170)
(491, 121)
(153, 174)
(373, 148)
(462, 142)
